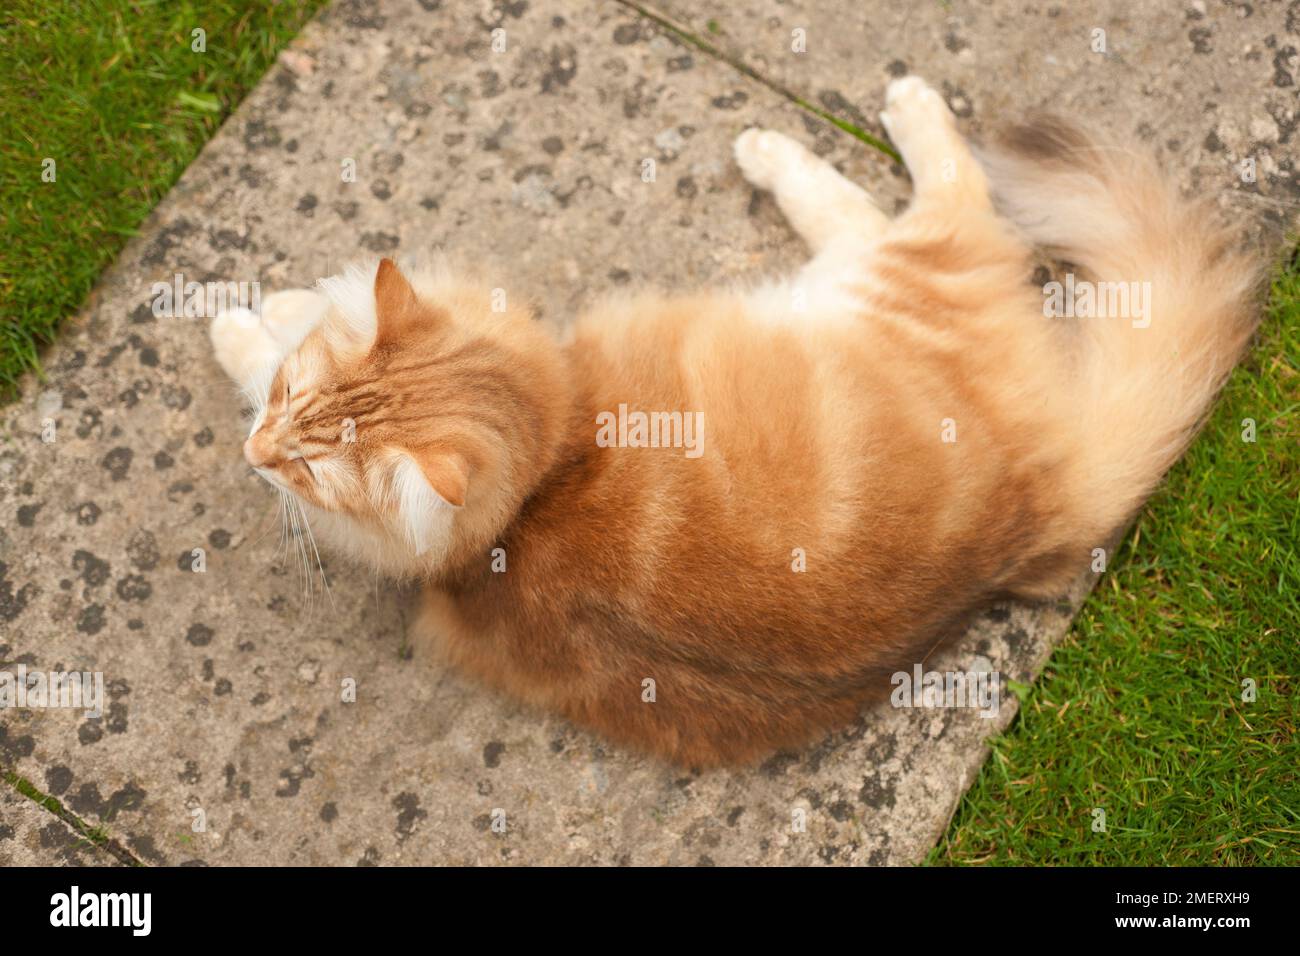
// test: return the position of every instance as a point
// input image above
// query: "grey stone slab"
(1208, 85)
(224, 686)
(32, 836)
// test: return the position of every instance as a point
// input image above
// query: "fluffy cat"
(884, 443)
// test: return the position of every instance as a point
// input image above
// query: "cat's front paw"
(235, 333)
(290, 316)
(248, 343)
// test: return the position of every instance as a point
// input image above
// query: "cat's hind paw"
(919, 122)
(764, 155)
(913, 107)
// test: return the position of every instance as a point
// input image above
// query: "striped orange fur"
(829, 532)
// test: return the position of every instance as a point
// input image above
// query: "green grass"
(28, 790)
(97, 836)
(1140, 710)
(112, 92)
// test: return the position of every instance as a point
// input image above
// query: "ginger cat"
(898, 417)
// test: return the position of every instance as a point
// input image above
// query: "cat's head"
(409, 415)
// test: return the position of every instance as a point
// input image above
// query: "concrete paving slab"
(224, 688)
(1211, 86)
(32, 836)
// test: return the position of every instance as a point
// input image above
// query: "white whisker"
(302, 511)
(301, 553)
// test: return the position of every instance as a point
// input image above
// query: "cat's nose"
(260, 450)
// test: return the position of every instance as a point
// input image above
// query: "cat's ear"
(447, 473)
(393, 293)
(397, 309)
(429, 485)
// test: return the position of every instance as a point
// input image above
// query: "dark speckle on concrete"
(94, 571)
(1017, 639)
(883, 748)
(360, 14)
(90, 732)
(958, 101)
(88, 802)
(626, 34)
(91, 619)
(57, 779)
(837, 103)
(563, 68)
(160, 247)
(409, 814)
(176, 396)
(143, 846)
(134, 587)
(199, 635)
(777, 764)
(261, 135)
(1282, 60)
(875, 793)
(379, 241)
(118, 462)
(730, 101)
(142, 550)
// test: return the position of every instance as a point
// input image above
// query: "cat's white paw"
(913, 112)
(764, 155)
(289, 316)
(239, 342)
(247, 344)
(230, 328)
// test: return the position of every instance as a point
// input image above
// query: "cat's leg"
(944, 172)
(289, 316)
(250, 346)
(820, 204)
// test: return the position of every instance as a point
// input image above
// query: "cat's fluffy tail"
(1144, 379)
